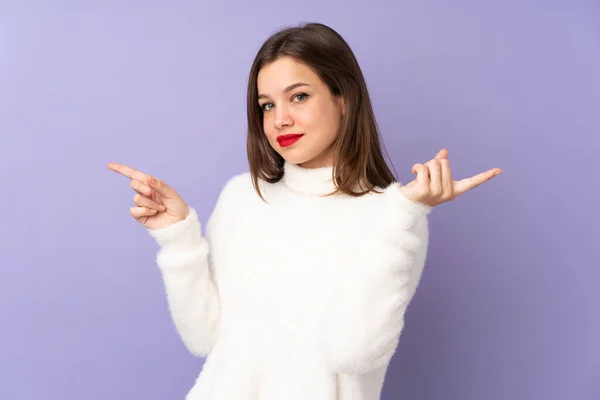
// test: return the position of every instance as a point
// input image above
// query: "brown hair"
(357, 147)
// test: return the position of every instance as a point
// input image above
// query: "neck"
(308, 181)
(325, 159)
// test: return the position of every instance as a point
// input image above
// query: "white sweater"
(301, 298)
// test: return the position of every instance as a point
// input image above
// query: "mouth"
(288, 140)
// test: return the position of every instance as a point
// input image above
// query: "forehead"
(284, 71)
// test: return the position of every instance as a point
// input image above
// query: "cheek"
(268, 127)
(325, 120)
(310, 118)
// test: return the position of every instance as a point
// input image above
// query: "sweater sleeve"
(184, 260)
(365, 313)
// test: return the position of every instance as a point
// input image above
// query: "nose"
(283, 118)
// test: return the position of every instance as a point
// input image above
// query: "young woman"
(299, 287)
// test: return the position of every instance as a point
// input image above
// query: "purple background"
(508, 304)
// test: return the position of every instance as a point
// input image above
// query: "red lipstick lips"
(288, 140)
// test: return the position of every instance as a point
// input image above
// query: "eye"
(265, 106)
(301, 97)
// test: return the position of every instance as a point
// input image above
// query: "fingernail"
(498, 173)
(162, 208)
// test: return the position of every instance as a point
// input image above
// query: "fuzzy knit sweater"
(299, 298)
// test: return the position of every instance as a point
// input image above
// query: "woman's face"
(296, 102)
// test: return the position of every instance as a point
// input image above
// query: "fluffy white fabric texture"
(302, 297)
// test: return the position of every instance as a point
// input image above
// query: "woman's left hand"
(434, 185)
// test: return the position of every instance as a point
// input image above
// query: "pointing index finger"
(154, 183)
(129, 172)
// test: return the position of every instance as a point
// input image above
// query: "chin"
(294, 160)
(299, 155)
(293, 156)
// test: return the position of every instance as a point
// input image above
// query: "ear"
(342, 105)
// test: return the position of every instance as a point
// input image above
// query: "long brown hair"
(358, 157)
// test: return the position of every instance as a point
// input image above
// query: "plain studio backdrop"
(508, 303)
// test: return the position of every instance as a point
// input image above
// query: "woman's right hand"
(157, 204)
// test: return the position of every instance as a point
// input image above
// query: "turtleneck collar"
(308, 181)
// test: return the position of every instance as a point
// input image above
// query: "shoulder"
(389, 209)
(229, 201)
(236, 186)
(397, 212)
(238, 193)
(392, 196)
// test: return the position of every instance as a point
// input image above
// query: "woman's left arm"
(365, 313)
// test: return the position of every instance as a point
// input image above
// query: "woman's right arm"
(184, 257)
(185, 264)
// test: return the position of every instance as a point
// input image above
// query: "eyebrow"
(287, 89)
